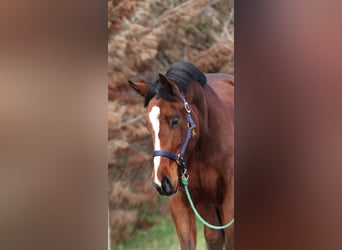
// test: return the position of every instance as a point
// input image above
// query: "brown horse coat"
(209, 157)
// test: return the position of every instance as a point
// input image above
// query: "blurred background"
(145, 38)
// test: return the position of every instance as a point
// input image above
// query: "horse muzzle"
(166, 187)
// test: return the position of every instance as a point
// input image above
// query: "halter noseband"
(191, 132)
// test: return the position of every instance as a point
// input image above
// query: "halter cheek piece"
(179, 158)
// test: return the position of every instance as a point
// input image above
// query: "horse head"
(171, 124)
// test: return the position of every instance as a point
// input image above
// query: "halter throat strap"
(179, 158)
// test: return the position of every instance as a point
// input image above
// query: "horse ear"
(166, 85)
(140, 87)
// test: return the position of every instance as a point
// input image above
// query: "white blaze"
(154, 119)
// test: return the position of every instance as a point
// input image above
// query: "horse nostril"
(166, 185)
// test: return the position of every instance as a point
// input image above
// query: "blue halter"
(191, 132)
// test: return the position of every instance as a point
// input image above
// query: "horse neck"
(211, 114)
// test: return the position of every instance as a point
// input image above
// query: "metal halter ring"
(187, 107)
(180, 160)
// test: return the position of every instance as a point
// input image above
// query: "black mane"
(183, 74)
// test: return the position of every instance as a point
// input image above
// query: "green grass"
(160, 236)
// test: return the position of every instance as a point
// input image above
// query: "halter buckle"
(187, 107)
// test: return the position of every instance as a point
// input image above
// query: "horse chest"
(207, 185)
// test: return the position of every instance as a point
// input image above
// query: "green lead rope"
(185, 183)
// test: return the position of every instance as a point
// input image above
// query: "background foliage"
(145, 38)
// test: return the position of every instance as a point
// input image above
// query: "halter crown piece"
(179, 158)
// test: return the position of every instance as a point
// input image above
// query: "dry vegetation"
(145, 38)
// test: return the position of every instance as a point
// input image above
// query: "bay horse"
(190, 116)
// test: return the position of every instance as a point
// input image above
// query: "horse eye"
(174, 122)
